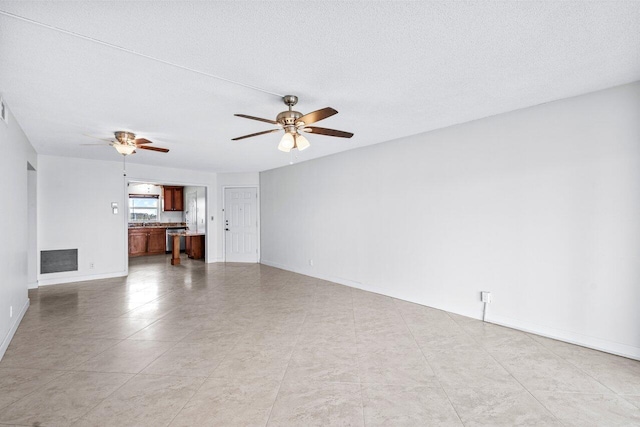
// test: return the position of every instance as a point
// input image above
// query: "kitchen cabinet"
(173, 198)
(146, 241)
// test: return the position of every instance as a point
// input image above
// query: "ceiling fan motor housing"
(288, 119)
(125, 137)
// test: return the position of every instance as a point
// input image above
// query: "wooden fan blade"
(144, 147)
(140, 141)
(328, 132)
(256, 134)
(273, 122)
(316, 116)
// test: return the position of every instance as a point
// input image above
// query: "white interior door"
(241, 224)
(191, 214)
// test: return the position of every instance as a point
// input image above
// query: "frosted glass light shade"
(125, 149)
(287, 140)
(286, 143)
(302, 142)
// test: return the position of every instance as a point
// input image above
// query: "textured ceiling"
(391, 69)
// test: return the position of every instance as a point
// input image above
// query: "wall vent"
(58, 260)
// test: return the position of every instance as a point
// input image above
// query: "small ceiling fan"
(126, 143)
(295, 125)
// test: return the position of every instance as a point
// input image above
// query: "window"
(143, 207)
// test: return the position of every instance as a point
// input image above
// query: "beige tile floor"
(250, 345)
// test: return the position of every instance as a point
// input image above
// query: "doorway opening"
(156, 211)
(32, 232)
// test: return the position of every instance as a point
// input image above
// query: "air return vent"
(58, 260)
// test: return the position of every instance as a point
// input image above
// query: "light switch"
(114, 208)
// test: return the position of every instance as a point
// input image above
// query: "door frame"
(224, 214)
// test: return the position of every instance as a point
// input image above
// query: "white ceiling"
(391, 69)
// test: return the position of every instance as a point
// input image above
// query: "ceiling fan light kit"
(125, 150)
(295, 124)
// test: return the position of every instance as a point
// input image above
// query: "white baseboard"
(33, 285)
(557, 334)
(568, 336)
(69, 279)
(12, 331)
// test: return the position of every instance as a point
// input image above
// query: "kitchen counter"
(195, 245)
(133, 225)
(186, 233)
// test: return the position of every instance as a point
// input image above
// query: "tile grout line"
(510, 374)
(355, 332)
(37, 388)
(577, 367)
(285, 371)
(105, 398)
(203, 382)
(427, 362)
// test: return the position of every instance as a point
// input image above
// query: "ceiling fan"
(126, 143)
(295, 125)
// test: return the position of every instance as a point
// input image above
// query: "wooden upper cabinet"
(173, 198)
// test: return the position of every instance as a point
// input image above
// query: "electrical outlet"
(91, 266)
(486, 297)
(10, 311)
(311, 262)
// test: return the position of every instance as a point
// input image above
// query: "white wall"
(231, 180)
(74, 211)
(539, 206)
(16, 152)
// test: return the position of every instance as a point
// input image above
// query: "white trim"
(545, 331)
(69, 279)
(568, 336)
(33, 285)
(224, 212)
(13, 329)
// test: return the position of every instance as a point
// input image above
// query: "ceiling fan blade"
(273, 122)
(316, 116)
(140, 141)
(101, 139)
(328, 132)
(144, 147)
(256, 134)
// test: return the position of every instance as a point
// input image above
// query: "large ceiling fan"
(126, 143)
(295, 125)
